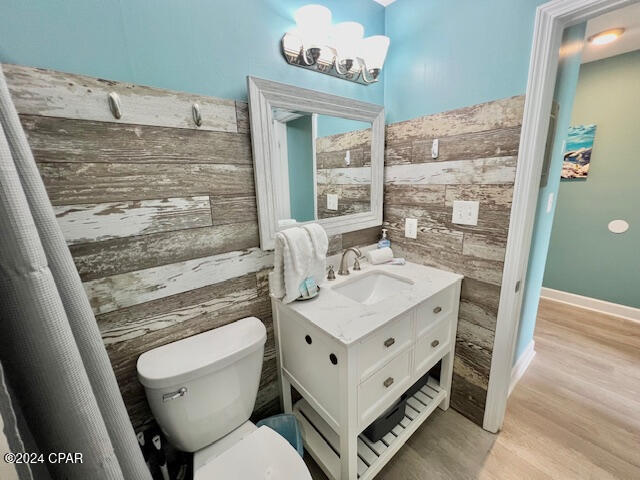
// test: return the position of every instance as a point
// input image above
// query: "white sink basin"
(372, 287)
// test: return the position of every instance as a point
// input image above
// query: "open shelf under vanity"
(322, 442)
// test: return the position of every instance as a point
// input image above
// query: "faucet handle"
(331, 274)
(356, 264)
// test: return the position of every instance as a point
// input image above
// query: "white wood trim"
(264, 95)
(551, 19)
(521, 365)
(593, 304)
(314, 148)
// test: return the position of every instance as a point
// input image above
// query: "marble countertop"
(348, 321)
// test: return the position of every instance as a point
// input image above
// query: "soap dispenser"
(384, 242)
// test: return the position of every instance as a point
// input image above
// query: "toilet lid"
(262, 455)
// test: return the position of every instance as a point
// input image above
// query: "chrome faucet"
(344, 266)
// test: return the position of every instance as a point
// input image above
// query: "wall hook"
(197, 116)
(114, 105)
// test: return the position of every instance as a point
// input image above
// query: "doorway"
(551, 21)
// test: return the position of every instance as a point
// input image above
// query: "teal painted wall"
(565, 89)
(199, 46)
(301, 175)
(584, 257)
(328, 125)
(452, 54)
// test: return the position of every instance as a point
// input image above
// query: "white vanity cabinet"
(351, 362)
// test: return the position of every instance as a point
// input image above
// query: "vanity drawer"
(380, 347)
(435, 308)
(383, 388)
(433, 345)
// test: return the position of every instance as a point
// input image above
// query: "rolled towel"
(381, 255)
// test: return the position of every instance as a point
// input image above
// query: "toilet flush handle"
(173, 395)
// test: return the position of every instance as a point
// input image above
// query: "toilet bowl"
(202, 391)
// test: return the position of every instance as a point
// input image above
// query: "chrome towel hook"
(197, 116)
(114, 105)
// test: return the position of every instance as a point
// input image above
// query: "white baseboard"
(628, 313)
(521, 365)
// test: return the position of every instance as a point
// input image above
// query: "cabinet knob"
(333, 358)
(389, 341)
(437, 310)
(435, 343)
(307, 339)
(387, 383)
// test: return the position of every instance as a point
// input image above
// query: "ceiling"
(384, 3)
(627, 18)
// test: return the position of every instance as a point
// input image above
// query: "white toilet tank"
(203, 387)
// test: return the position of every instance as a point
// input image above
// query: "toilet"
(202, 391)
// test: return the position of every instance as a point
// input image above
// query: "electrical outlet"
(332, 201)
(411, 227)
(465, 212)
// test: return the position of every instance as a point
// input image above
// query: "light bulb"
(313, 23)
(345, 37)
(605, 37)
(373, 50)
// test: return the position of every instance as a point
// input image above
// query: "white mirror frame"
(264, 95)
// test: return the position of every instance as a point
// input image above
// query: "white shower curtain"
(50, 345)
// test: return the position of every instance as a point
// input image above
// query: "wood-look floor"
(574, 415)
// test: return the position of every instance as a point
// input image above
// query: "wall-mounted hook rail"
(197, 116)
(114, 105)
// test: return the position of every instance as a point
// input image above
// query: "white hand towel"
(380, 255)
(320, 244)
(292, 262)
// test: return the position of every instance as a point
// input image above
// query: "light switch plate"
(332, 201)
(465, 212)
(411, 227)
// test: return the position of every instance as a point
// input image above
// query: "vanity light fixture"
(334, 49)
(605, 37)
(345, 39)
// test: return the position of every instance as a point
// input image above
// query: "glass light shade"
(313, 23)
(345, 37)
(373, 50)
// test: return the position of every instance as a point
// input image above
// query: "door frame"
(551, 20)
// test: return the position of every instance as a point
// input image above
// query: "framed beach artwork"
(577, 155)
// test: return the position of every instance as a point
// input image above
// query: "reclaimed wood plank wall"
(477, 161)
(159, 215)
(352, 182)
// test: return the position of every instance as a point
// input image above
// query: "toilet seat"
(261, 455)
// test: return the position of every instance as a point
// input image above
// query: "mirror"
(327, 162)
(317, 157)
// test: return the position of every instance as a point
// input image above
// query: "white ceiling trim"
(384, 3)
